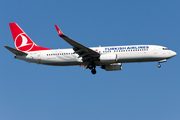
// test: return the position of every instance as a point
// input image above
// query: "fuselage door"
(39, 57)
(155, 51)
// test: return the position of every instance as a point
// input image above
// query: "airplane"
(109, 58)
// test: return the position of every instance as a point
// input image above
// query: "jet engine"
(112, 67)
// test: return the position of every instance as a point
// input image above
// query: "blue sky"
(139, 91)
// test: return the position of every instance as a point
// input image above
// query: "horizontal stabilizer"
(17, 52)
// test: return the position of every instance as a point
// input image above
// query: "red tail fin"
(22, 41)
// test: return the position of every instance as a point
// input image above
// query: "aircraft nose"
(173, 53)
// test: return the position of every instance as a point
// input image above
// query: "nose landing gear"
(159, 65)
(161, 61)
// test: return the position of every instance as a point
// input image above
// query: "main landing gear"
(92, 67)
(93, 71)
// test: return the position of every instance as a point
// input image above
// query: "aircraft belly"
(61, 64)
(125, 58)
(27, 58)
(61, 60)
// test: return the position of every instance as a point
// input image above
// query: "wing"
(83, 51)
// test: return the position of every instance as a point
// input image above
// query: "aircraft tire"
(90, 66)
(93, 71)
(159, 65)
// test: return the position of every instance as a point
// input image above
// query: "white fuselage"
(108, 55)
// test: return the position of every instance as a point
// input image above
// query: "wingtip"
(6, 46)
(60, 33)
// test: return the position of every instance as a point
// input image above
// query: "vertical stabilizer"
(22, 41)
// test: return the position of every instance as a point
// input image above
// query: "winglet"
(60, 33)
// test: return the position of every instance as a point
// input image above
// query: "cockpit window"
(165, 48)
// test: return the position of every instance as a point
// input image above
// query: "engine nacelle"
(108, 58)
(112, 67)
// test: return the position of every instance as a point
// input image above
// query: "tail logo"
(23, 43)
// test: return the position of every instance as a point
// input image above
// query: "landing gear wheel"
(90, 66)
(159, 65)
(93, 71)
